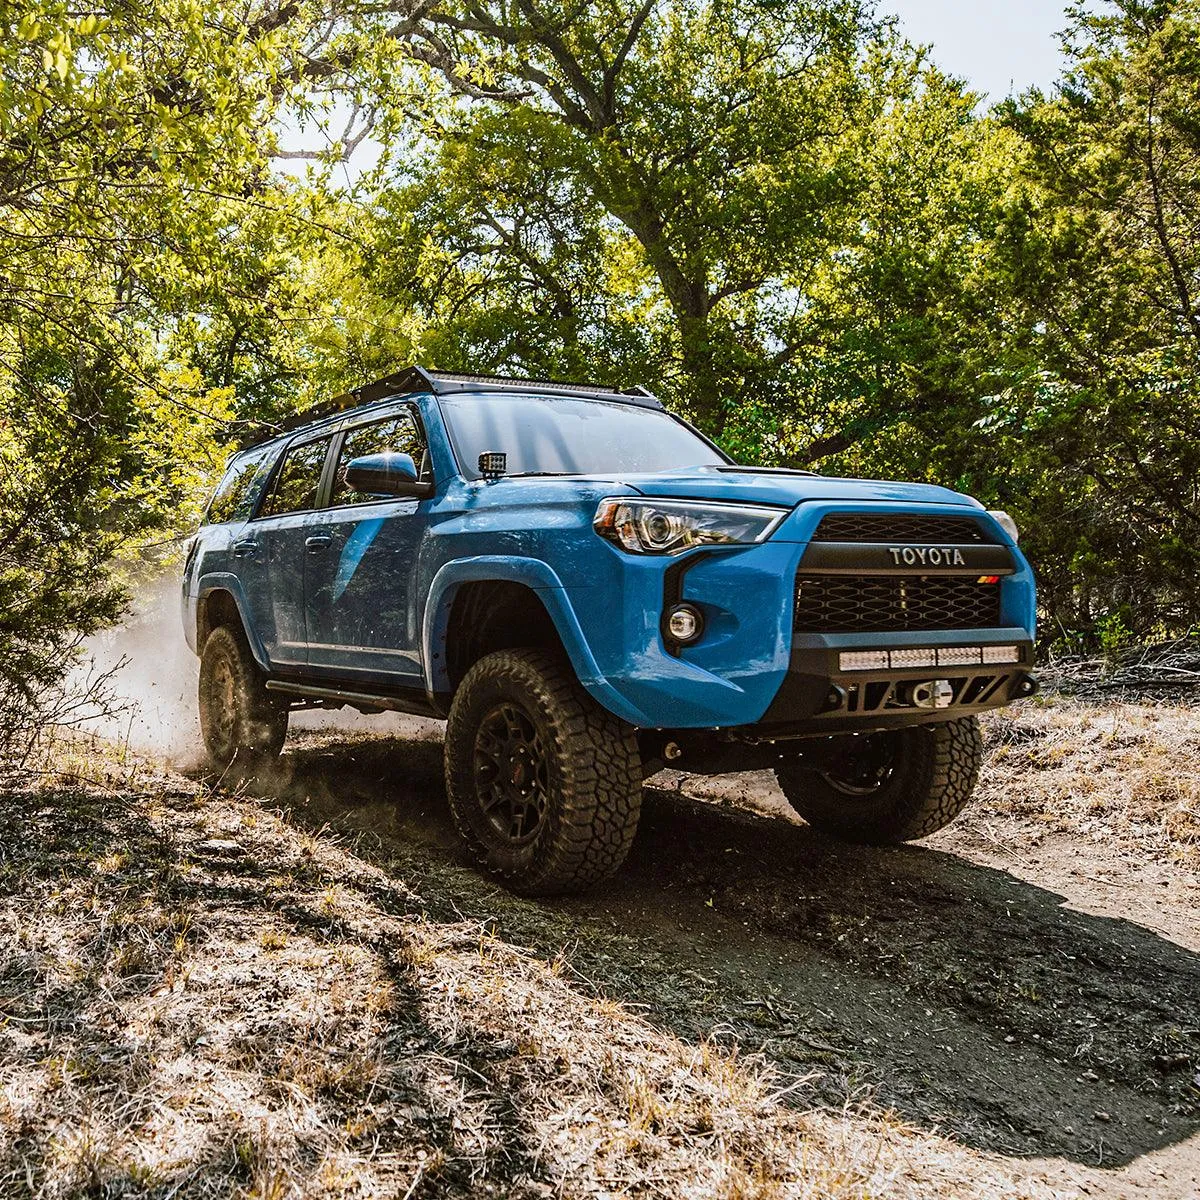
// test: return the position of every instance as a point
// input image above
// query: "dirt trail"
(1031, 995)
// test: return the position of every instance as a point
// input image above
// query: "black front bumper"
(819, 700)
(819, 697)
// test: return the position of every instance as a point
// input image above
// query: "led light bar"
(959, 656)
(864, 660)
(1001, 654)
(914, 658)
(944, 656)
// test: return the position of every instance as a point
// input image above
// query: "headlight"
(672, 526)
(1005, 522)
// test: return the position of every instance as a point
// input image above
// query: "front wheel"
(239, 718)
(544, 785)
(890, 787)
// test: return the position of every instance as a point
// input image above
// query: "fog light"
(684, 623)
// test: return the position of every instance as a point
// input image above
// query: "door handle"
(317, 542)
(244, 547)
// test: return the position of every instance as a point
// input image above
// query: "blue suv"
(588, 590)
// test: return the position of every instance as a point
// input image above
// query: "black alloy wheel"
(512, 773)
(863, 765)
(545, 785)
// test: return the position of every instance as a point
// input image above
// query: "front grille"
(883, 603)
(900, 527)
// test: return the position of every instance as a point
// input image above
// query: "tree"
(726, 201)
(136, 219)
(676, 161)
(1098, 253)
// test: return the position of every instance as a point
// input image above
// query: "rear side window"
(298, 481)
(399, 433)
(238, 490)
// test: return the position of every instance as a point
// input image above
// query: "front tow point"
(932, 693)
(1027, 687)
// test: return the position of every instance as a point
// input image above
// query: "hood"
(764, 485)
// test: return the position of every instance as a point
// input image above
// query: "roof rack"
(419, 379)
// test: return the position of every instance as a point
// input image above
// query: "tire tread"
(935, 783)
(261, 723)
(599, 802)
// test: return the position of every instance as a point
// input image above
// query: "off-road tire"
(593, 775)
(934, 774)
(240, 720)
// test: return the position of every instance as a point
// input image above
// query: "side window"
(238, 490)
(399, 432)
(298, 481)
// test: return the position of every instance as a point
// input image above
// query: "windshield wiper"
(529, 474)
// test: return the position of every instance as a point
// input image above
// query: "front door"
(275, 552)
(361, 619)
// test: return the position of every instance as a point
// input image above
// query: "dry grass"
(199, 1000)
(1129, 772)
(613, 1106)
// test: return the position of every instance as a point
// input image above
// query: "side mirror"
(388, 474)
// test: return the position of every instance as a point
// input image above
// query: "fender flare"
(223, 581)
(539, 577)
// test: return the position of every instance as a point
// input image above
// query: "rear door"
(358, 581)
(273, 551)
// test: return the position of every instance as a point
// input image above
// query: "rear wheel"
(884, 788)
(545, 786)
(239, 718)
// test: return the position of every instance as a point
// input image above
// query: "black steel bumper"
(818, 696)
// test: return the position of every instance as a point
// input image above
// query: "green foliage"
(639, 191)
(138, 223)
(1096, 258)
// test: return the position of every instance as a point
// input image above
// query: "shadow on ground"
(187, 1015)
(967, 1000)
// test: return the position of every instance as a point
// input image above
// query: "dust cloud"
(152, 678)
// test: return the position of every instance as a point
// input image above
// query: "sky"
(1000, 47)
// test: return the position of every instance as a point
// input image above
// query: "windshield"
(571, 437)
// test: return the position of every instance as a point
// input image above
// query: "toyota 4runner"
(589, 590)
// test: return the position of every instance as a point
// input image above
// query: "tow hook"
(931, 693)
